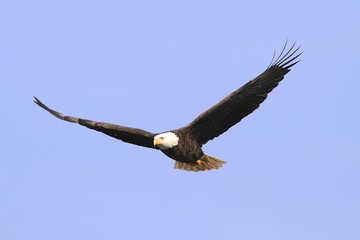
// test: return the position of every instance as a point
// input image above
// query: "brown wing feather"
(126, 134)
(243, 101)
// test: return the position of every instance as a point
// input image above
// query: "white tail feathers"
(206, 162)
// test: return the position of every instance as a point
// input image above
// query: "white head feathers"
(166, 140)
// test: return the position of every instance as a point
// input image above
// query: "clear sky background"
(293, 171)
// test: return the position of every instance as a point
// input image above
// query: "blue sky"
(293, 170)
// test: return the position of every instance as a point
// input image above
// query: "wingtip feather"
(286, 57)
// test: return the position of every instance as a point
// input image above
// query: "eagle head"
(166, 140)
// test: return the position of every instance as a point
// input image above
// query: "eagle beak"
(158, 141)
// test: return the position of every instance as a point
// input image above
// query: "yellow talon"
(199, 162)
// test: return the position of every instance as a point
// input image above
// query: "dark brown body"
(187, 151)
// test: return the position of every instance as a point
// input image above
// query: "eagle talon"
(198, 162)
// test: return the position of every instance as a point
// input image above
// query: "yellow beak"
(158, 141)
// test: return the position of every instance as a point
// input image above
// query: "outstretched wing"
(243, 101)
(126, 134)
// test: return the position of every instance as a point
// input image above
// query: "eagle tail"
(206, 162)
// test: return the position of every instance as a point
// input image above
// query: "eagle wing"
(243, 101)
(126, 134)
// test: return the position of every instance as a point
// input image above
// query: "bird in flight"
(184, 144)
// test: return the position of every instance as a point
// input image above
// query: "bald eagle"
(184, 144)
